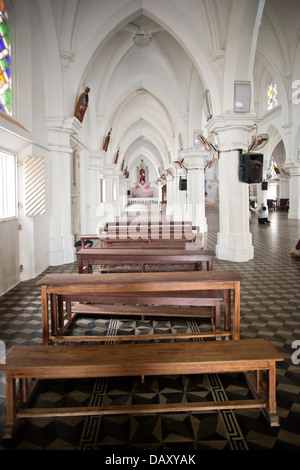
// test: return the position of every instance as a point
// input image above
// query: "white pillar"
(234, 241)
(294, 191)
(107, 210)
(61, 249)
(121, 194)
(194, 162)
(170, 181)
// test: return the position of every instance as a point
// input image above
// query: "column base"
(236, 248)
(62, 250)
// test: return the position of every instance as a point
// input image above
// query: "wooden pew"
(151, 257)
(122, 360)
(194, 288)
(145, 243)
(172, 225)
(163, 235)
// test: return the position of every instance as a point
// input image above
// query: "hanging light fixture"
(142, 39)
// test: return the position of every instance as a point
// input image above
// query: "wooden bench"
(122, 360)
(113, 257)
(102, 241)
(148, 235)
(149, 240)
(194, 288)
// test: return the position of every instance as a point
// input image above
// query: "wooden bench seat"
(202, 304)
(147, 237)
(88, 257)
(144, 311)
(194, 288)
(122, 360)
(169, 242)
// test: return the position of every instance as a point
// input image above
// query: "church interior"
(149, 214)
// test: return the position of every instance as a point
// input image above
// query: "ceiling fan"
(285, 173)
(180, 163)
(258, 142)
(209, 146)
(207, 143)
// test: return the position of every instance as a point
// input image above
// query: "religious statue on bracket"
(82, 104)
(106, 141)
(116, 157)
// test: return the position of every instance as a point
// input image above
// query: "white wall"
(9, 255)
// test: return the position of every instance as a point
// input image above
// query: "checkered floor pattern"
(270, 307)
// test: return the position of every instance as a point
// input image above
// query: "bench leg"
(227, 308)
(217, 317)
(11, 414)
(271, 395)
(53, 311)
(45, 316)
(236, 312)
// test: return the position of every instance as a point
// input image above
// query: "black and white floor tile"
(270, 307)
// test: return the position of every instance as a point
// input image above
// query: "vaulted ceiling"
(147, 70)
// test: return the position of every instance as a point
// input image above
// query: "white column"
(294, 191)
(61, 249)
(234, 241)
(194, 162)
(170, 180)
(180, 197)
(108, 211)
(121, 194)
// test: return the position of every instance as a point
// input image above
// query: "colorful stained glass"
(5, 72)
(273, 170)
(272, 94)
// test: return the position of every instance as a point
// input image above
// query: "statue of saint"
(82, 104)
(106, 142)
(142, 176)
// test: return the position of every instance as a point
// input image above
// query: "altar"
(142, 187)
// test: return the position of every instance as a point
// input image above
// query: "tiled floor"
(270, 307)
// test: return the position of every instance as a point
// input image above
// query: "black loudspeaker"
(182, 184)
(251, 167)
(128, 192)
(264, 186)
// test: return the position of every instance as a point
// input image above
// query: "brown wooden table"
(121, 360)
(88, 257)
(57, 288)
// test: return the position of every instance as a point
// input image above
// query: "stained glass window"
(5, 63)
(272, 94)
(274, 170)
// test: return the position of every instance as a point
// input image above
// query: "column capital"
(232, 131)
(194, 158)
(61, 131)
(293, 168)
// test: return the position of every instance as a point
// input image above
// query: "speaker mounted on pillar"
(251, 164)
(182, 184)
(251, 167)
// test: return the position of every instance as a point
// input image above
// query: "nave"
(270, 308)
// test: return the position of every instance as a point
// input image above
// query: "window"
(272, 94)
(274, 170)
(34, 185)
(8, 201)
(5, 72)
